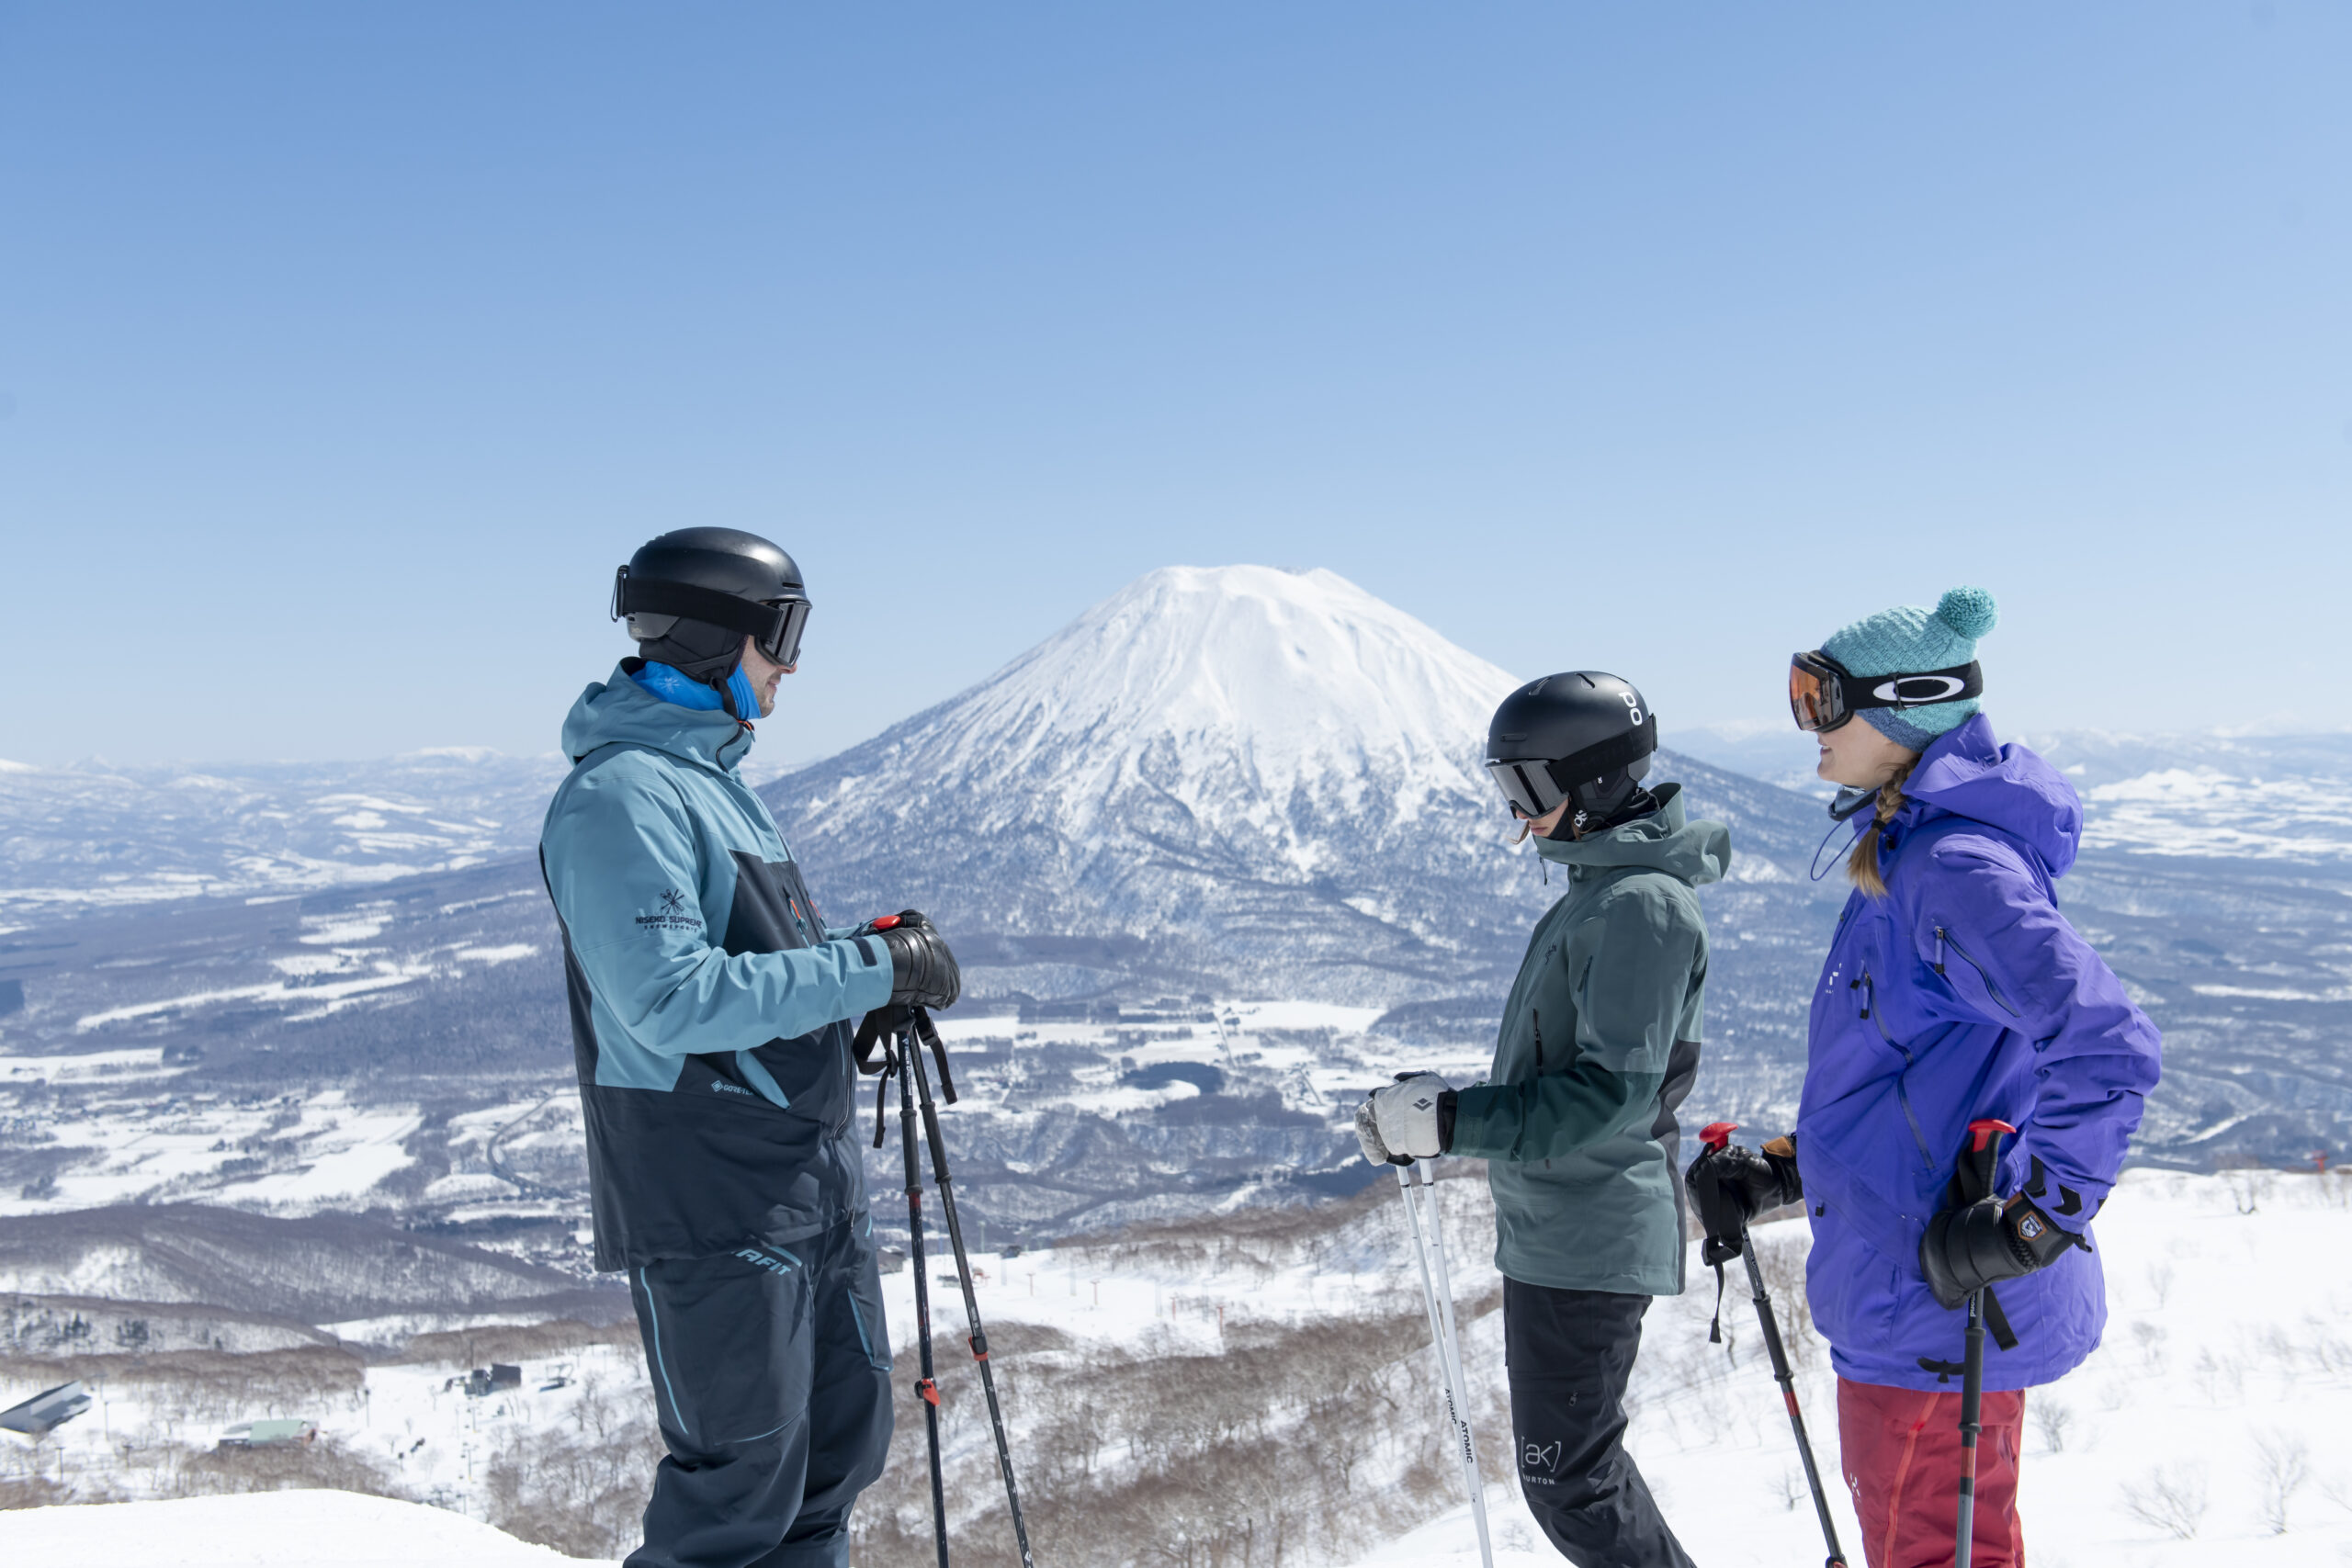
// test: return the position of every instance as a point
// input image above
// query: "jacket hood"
(1968, 774)
(1699, 853)
(622, 712)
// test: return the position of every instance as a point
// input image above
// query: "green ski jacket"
(1600, 1044)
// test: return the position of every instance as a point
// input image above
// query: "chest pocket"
(774, 913)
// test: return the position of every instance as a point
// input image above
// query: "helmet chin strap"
(1620, 799)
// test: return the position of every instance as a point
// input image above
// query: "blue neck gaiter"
(673, 685)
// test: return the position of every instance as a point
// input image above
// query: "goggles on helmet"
(1823, 695)
(772, 625)
(1533, 785)
(1528, 787)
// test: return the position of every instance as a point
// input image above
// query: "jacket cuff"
(869, 985)
(1446, 1107)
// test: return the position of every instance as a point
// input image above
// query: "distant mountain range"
(1219, 786)
(1248, 780)
(95, 836)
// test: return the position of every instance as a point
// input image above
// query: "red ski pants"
(1901, 1450)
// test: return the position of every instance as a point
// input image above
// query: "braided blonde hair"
(1861, 862)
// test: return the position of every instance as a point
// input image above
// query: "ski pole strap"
(1999, 1322)
(1716, 1324)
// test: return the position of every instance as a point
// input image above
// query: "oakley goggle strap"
(767, 623)
(1925, 689)
(1563, 774)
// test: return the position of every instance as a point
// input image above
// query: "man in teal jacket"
(1598, 1046)
(711, 1008)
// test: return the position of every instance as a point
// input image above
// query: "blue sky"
(345, 350)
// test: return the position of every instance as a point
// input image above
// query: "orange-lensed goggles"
(1823, 693)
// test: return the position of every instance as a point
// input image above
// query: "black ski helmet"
(1581, 736)
(692, 596)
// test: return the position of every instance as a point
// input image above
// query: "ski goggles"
(772, 625)
(1823, 693)
(1528, 787)
(1532, 786)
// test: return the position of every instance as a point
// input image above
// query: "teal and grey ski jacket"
(709, 1001)
(1599, 1047)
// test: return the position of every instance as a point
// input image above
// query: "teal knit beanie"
(1910, 640)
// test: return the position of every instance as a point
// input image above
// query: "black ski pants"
(771, 1373)
(1568, 1354)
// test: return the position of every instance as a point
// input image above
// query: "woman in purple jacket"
(1954, 991)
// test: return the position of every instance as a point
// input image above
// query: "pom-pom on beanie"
(1911, 639)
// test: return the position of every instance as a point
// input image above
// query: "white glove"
(1405, 1116)
(1368, 1134)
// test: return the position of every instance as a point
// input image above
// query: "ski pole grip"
(1715, 1137)
(1984, 1137)
(1987, 1130)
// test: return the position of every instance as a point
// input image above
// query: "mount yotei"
(1240, 778)
(1215, 856)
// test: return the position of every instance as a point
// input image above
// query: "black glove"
(1982, 1244)
(1732, 1185)
(923, 972)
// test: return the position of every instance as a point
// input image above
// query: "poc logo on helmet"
(1633, 707)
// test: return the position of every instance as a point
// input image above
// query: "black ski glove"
(923, 972)
(1732, 1185)
(1983, 1243)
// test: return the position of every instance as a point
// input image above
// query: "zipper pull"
(1939, 950)
(1870, 996)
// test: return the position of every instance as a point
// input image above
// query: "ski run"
(2209, 1420)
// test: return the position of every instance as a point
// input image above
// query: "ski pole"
(1470, 1478)
(1715, 1135)
(1984, 1159)
(899, 1060)
(918, 1025)
(1437, 1297)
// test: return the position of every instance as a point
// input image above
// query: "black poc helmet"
(1582, 737)
(691, 596)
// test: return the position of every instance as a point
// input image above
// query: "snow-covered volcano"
(1235, 694)
(1217, 774)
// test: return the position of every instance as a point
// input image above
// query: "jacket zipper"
(1901, 1087)
(1903, 1093)
(1991, 989)
(1535, 1016)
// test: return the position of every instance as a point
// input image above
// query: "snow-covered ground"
(2225, 1380)
(2227, 1342)
(263, 1530)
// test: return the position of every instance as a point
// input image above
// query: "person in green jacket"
(1598, 1046)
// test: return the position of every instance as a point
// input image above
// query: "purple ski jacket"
(1964, 994)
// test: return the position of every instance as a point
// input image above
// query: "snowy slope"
(2222, 1389)
(1158, 1352)
(263, 1530)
